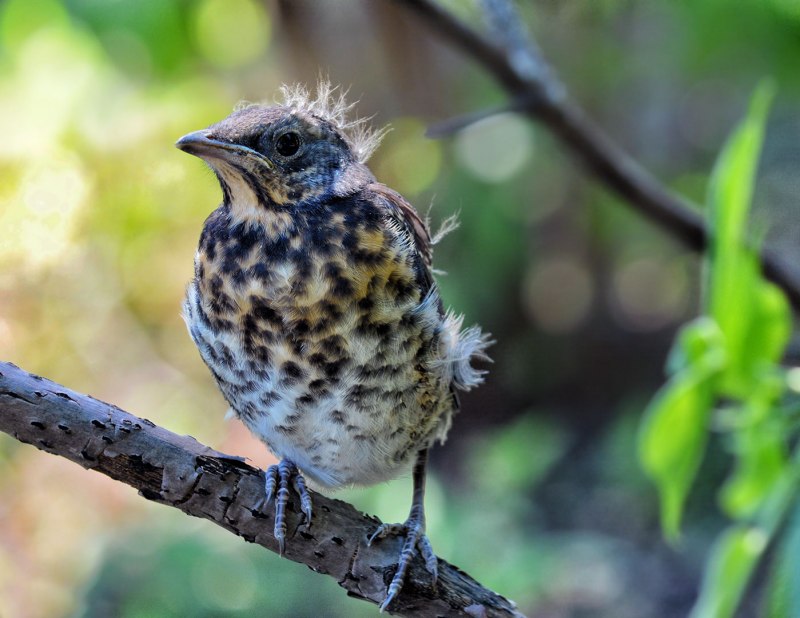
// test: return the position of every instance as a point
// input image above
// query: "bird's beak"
(202, 144)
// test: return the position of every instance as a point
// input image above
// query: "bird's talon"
(431, 561)
(385, 530)
(385, 603)
(270, 483)
(415, 541)
(280, 477)
(299, 484)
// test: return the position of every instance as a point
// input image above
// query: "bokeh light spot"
(230, 33)
(793, 379)
(53, 72)
(649, 294)
(558, 294)
(39, 220)
(496, 148)
(408, 161)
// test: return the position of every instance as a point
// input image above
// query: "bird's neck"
(270, 220)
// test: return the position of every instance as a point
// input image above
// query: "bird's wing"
(407, 216)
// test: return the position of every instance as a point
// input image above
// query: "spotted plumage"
(315, 308)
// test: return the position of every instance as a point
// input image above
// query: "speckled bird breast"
(321, 337)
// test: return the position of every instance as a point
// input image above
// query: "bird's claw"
(278, 479)
(415, 540)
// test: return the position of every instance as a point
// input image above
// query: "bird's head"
(292, 153)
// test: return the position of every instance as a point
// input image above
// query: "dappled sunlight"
(94, 211)
(44, 84)
(649, 294)
(497, 148)
(558, 294)
(100, 218)
(214, 21)
(406, 160)
(42, 497)
(41, 218)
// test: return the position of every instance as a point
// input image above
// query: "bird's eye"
(288, 144)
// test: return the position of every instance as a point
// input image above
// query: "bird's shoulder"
(400, 212)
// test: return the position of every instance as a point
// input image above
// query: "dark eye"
(288, 144)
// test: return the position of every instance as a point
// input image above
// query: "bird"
(315, 306)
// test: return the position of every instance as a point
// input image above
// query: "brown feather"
(410, 218)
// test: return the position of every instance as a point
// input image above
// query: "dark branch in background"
(179, 471)
(515, 62)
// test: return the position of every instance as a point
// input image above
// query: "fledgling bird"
(314, 306)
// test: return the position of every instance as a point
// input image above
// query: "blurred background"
(100, 216)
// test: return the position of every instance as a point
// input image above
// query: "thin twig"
(445, 128)
(180, 472)
(526, 77)
(522, 51)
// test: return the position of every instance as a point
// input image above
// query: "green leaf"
(760, 443)
(694, 341)
(757, 472)
(770, 328)
(783, 496)
(674, 431)
(730, 352)
(733, 558)
(731, 188)
(733, 273)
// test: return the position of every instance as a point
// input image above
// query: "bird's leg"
(414, 531)
(280, 476)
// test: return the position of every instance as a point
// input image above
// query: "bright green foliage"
(674, 433)
(729, 354)
(753, 317)
(759, 443)
(731, 563)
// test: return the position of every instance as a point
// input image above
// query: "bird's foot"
(415, 540)
(278, 479)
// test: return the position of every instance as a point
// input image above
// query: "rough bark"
(180, 472)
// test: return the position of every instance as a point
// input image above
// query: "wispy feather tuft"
(330, 104)
(459, 349)
(449, 224)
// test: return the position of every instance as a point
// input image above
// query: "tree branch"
(180, 472)
(515, 62)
